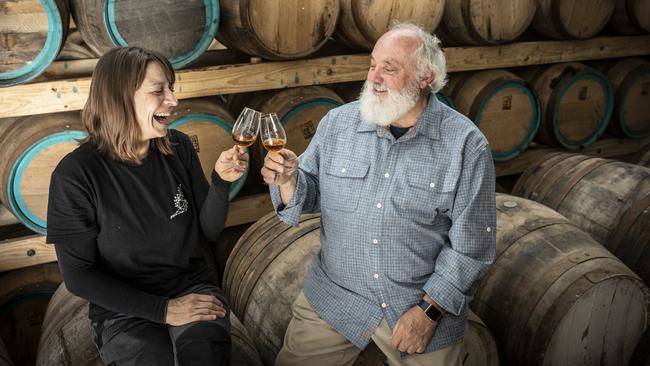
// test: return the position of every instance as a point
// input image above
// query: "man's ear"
(427, 80)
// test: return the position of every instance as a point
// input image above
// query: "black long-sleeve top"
(127, 236)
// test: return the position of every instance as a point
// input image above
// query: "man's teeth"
(380, 88)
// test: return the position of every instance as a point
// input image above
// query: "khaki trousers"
(310, 341)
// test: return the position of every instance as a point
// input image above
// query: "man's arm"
(461, 265)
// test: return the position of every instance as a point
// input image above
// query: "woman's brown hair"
(109, 114)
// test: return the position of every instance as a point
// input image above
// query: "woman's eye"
(157, 92)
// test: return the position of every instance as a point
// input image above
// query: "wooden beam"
(604, 148)
(544, 52)
(66, 95)
(31, 250)
(25, 252)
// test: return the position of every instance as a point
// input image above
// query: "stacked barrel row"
(32, 146)
(36, 30)
(567, 105)
(553, 296)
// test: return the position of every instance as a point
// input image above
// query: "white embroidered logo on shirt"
(180, 203)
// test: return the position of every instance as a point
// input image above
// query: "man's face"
(392, 64)
(391, 89)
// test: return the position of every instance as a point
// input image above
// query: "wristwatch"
(431, 311)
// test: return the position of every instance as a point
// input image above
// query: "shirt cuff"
(219, 183)
(290, 213)
(445, 294)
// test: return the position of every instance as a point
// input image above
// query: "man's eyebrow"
(390, 61)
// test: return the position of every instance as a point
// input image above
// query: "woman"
(127, 211)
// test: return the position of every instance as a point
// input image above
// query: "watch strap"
(431, 311)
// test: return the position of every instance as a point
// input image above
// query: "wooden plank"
(544, 52)
(31, 250)
(604, 148)
(25, 252)
(65, 95)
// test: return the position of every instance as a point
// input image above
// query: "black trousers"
(125, 340)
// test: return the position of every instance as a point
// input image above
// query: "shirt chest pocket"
(425, 195)
(343, 184)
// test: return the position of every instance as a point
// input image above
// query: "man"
(405, 187)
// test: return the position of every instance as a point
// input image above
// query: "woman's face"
(154, 102)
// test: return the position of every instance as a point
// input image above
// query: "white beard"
(390, 108)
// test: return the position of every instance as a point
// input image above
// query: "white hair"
(429, 56)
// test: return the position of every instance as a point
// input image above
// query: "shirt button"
(375, 241)
(343, 170)
(379, 205)
(376, 275)
(488, 229)
(432, 185)
(387, 175)
(383, 305)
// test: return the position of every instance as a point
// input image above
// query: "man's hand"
(280, 169)
(413, 331)
(231, 164)
(192, 308)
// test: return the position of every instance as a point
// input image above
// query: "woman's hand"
(193, 308)
(232, 164)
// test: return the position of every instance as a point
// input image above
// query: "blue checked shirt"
(398, 218)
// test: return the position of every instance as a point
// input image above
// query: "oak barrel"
(32, 146)
(208, 123)
(32, 34)
(299, 110)
(5, 360)
(554, 296)
(642, 157)
(576, 103)
(572, 19)
(608, 199)
(270, 261)
(180, 30)
(485, 22)
(277, 30)
(362, 22)
(631, 17)
(630, 79)
(24, 295)
(67, 338)
(498, 101)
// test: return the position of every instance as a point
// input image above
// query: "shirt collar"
(428, 124)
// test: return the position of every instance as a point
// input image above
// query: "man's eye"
(157, 92)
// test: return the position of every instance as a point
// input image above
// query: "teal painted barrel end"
(534, 123)
(237, 185)
(53, 43)
(601, 79)
(17, 203)
(622, 121)
(309, 104)
(178, 61)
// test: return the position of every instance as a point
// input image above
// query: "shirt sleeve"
(212, 198)
(72, 227)
(461, 265)
(306, 198)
